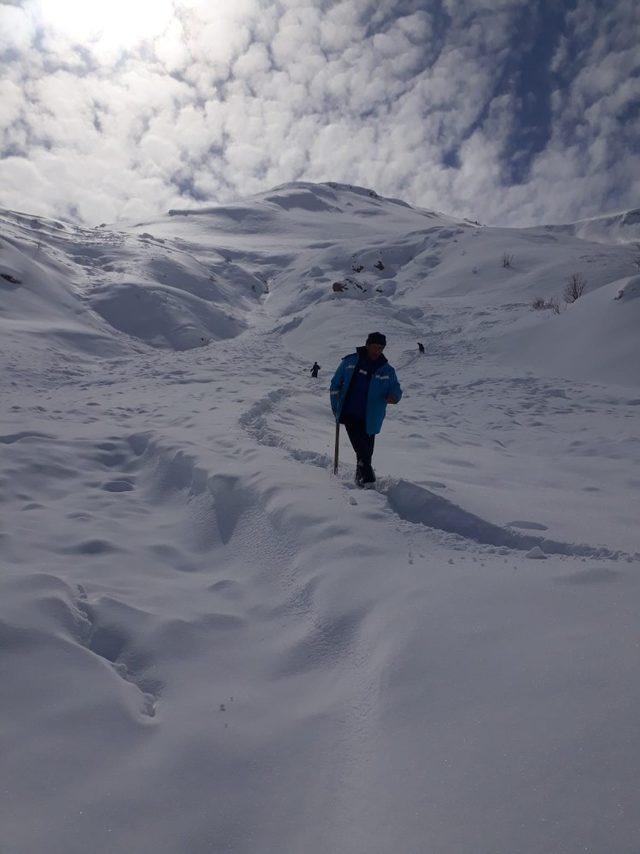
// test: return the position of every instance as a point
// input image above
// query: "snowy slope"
(209, 643)
(596, 338)
(622, 227)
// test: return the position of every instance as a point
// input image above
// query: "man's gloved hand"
(392, 399)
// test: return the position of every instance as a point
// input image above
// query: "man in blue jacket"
(361, 388)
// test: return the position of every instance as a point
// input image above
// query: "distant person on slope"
(361, 388)
(315, 369)
(420, 347)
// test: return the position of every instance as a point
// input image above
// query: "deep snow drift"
(209, 643)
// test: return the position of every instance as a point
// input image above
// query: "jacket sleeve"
(336, 386)
(395, 389)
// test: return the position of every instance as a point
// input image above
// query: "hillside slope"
(289, 258)
(210, 643)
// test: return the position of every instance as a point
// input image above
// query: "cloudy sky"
(509, 111)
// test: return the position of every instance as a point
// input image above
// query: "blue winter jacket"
(384, 383)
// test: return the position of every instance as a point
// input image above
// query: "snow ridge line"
(418, 505)
(107, 640)
(421, 506)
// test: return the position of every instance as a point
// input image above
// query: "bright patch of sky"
(117, 25)
(508, 111)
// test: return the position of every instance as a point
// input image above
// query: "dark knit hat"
(376, 338)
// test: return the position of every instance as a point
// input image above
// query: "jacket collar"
(379, 362)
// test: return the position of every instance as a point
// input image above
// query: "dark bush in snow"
(540, 304)
(574, 288)
(507, 260)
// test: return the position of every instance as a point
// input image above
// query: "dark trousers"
(360, 440)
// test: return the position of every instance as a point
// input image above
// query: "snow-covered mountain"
(209, 642)
(621, 227)
(293, 256)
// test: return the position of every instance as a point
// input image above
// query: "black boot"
(368, 474)
(359, 474)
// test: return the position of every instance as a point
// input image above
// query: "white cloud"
(171, 49)
(11, 102)
(234, 96)
(16, 29)
(254, 63)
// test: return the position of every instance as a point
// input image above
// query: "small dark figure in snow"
(420, 346)
(361, 388)
(315, 369)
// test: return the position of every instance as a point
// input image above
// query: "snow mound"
(36, 298)
(333, 190)
(315, 205)
(163, 316)
(616, 228)
(594, 339)
(419, 505)
(84, 287)
(239, 218)
(300, 199)
(630, 291)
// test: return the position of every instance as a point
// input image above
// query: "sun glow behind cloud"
(515, 111)
(116, 24)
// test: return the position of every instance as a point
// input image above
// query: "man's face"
(374, 351)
